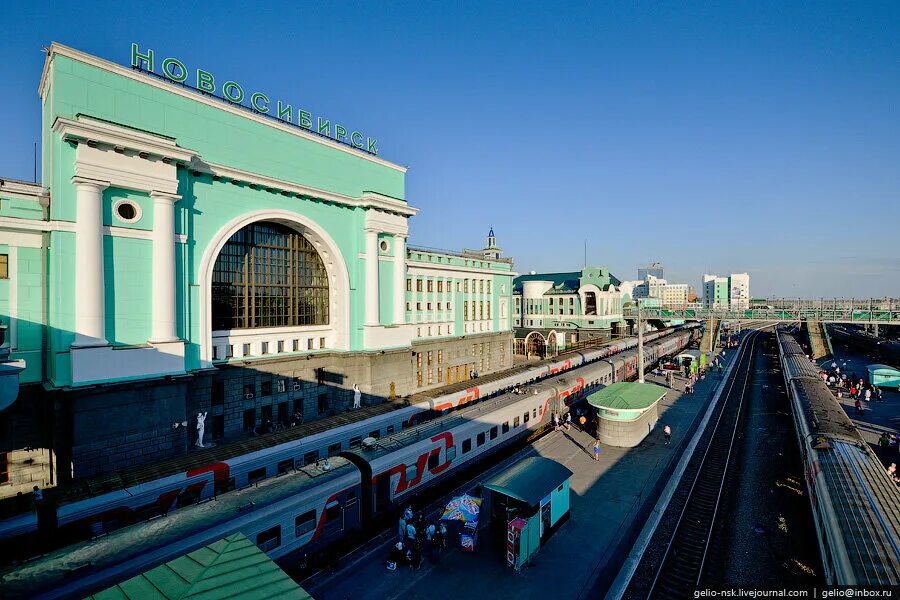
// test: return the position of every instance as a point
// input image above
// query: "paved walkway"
(606, 497)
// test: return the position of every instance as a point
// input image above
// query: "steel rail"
(662, 570)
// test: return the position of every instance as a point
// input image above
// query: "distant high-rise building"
(670, 295)
(655, 269)
(726, 292)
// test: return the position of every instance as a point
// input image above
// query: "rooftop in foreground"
(230, 568)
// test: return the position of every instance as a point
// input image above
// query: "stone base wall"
(627, 434)
(485, 353)
(108, 428)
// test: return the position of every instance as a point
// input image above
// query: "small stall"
(527, 503)
(690, 359)
(626, 412)
(461, 518)
(883, 375)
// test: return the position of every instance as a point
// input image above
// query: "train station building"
(554, 311)
(188, 251)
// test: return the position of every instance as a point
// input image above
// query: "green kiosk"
(529, 501)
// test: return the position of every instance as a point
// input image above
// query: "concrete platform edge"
(617, 590)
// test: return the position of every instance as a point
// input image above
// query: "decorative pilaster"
(163, 327)
(372, 317)
(399, 279)
(90, 313)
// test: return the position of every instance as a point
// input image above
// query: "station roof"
(529, 480)
(627, 396)
(230, 568)
(882, 369)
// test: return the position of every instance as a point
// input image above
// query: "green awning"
(230, 568)
(626, 395)
(529, 480)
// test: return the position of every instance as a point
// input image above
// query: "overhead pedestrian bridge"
(859, 312)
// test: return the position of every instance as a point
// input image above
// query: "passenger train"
(855, 505)
(318, 504)
(181, 482)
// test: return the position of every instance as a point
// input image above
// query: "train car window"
(375, 434)
(350, 501)
(516, 422)
(433, 460)
(389, 430)
(269, 539)
(494, 432)
(506, 427)
(411, 472)
(310, 457)
(256, 475)
(467, 445)
(305, 523)
(525, 417)
(451, 453)
(356, 442)
(480, 439)
(285, 466)
(334, 449)
(534, 413)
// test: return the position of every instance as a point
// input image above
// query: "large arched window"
(268, 275)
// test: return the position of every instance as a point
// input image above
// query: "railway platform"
(610, 499)
(877, 417)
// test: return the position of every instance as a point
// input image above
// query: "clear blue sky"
(718, 137)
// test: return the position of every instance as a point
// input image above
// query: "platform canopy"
(231, 568)
(626, 395)
(529, 480)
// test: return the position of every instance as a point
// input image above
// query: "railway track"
(683, 561)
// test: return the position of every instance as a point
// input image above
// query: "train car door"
(382, 492)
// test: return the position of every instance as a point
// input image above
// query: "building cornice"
(129, 73)
(21, 189)
(367, 200)
(119, 138)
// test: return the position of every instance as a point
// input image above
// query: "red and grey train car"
(85, 514)
(855, 505)
(312, 507)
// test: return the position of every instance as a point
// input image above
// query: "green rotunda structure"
(195, 249)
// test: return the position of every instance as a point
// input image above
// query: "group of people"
(889, 447)
(417, 539)
(856, 388)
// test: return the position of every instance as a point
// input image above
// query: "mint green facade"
(226, 166)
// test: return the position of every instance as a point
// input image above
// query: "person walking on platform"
(597, 450)
(667, 431)
(401, 529)
(555, 422)
(859, 409)
(568, 420)
(868, 395)
(582, 421)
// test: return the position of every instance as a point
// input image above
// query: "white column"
(372, 319)
(163, 329)
(90, 314)
(399, 280)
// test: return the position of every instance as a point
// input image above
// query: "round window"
(127, 211)
(384, 246)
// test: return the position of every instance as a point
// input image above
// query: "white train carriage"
(310, 508)
(105, 511)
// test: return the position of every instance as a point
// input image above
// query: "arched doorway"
(535, 345)
(552, 344)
